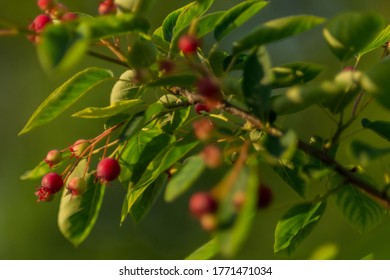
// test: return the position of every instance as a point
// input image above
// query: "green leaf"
(276, 30)
(169, 22)
(184, 178)
(295, 73)
(349, 33)
(174, 80)
(289, 172)
(43, 168)
(378, 84)
(256, 82)
(359, 210)
(176, 119)
(191, 12)
(62, 46)
(382, 128)
(142, 54)
(231, 238)
(205, 252)
(280, 148)
(365, 153)
(296, 225)
(116, 108)
(77, 215)
(67, 94)
(381, 39)
(141, 200)
(237, 16)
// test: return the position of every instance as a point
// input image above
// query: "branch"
(348, 176)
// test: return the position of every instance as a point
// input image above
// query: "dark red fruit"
(39, 23)
(210, 89)
(107, 7)
(202, 203)
(53, 157)
(166, 66)
(265, 197)
(188, 44)
(52, 182)
(77, 186)
(108, 170)
(45, 5)
(200, 107)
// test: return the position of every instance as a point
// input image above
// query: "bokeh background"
(29, 230)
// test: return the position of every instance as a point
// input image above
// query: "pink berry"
(203, 129)
(45, 5)
(107, 7)
(79, 147)
(265, 196)
(210, 89)
(188, 44)
(202, 203)
(52, 182)
(77, 186)
(108, 169)
(39, 23)
(53, 157)
(212, 156)
(69, 17)
(200, 107)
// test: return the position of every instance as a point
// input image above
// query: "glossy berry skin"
(39, 23)
(265, 197)
(107, 7)
(188, 44)
(200, 107)
(77, 186)
(52, 182)
(53, 157)
(202, 203)
(108, 170)
(45, 5)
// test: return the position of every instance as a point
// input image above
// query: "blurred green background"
(29, 230)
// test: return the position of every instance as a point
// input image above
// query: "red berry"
(203, 129)
(53, 157)
(107, 7)
(188, 44)
(265, 196)
(210, 89)
(212, 156)
(200, 107)
(39, 23)
(202, 203)
(77, 186)
(45, 5)
(108, 170)
(69, 17)
(79, 147)
(52, 182)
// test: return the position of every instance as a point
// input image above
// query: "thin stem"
(107, 58)
(115, 50)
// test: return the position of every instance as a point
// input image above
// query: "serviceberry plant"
(180, 109)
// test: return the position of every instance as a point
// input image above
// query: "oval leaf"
(381, 39)
(67, 94)
(169, 22)
(296, 225)
(77, 215)
(349, 33)
(276, 30)
(295, 73)
(382, 128)
(116, 108)
(237, 16)
(359, 210)
(378, 83)
(184, 178)
(205, 252)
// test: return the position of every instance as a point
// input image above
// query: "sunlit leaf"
(206, 251)
(295, 73)
(296, 225)
(67, 94)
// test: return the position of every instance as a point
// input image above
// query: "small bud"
(212, 156)
(69, 17)
(53, 157)
(209, 222)
(203, 129)
(79, 147)
(77, 186)
(107, 7)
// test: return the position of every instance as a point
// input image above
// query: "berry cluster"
(52, 11)
(204, 206)
(107, 170)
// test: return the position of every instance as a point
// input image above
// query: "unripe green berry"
(53, 157)
(79, 147)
